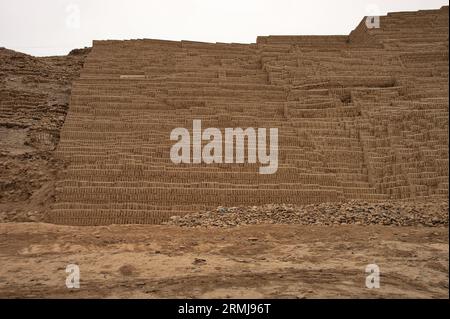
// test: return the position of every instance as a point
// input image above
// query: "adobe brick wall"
(363, 117)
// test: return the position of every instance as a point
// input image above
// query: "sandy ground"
(261, 261)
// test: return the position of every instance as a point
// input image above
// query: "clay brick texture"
(363, 116)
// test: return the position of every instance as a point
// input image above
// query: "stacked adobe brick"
(360, 117)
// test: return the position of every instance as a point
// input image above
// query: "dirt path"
(268, 261)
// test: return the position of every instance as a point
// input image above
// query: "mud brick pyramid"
(363, 116)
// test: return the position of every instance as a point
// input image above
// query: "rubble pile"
(395, 213)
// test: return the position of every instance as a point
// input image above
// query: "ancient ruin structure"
(363, 116)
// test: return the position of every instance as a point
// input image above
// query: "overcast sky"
(53, 27)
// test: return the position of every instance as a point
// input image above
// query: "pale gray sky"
(53, 27)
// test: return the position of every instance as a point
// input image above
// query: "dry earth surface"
(254, 261)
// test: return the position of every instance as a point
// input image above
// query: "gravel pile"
(395, 213)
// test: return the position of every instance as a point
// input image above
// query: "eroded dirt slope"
(34, 99)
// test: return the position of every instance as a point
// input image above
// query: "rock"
(127, 270)
(199, 261)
